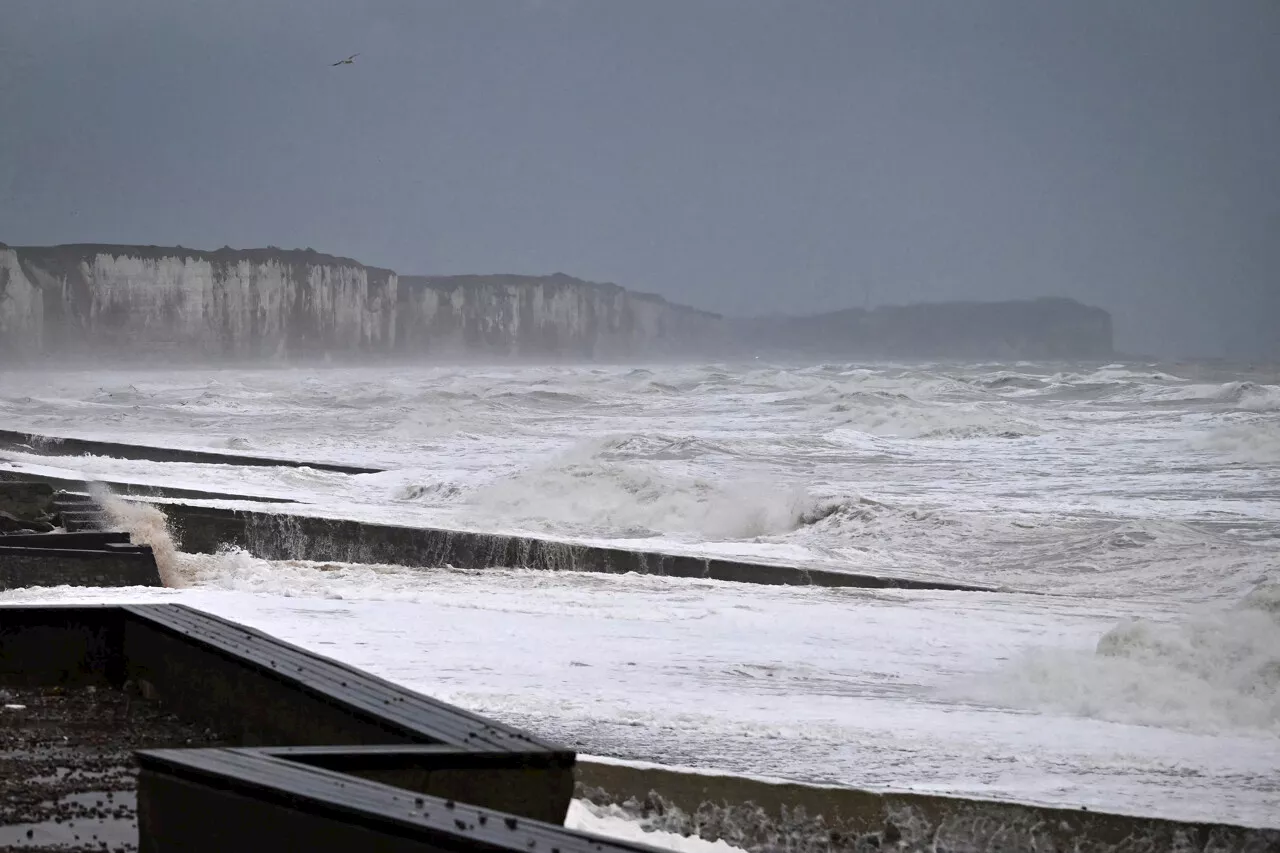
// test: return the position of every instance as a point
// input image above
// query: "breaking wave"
(1011, 381)
(883, 415)
(1250, 443)
(1214, 673)
(659, 447)
(1250, 396)
(863, 517)
(541, 398)
(592, 491)
(428, 493)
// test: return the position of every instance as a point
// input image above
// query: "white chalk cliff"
(273, 303)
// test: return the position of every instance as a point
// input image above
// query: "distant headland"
(269, 304)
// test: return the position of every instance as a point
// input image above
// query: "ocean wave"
(586, 493)
(887, 414)
(1237, 396)
(1011, 381)
(427, 493)
(1212, 673)
(863, 515)
(541, 398)
(659, 388)
(1250, 396)
(1116, 373)
(1247, 443)
(657, 446)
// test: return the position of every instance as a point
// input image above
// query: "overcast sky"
(742, 156)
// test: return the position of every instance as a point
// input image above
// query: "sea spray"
(146, 525)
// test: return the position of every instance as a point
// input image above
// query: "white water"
(1144, 499)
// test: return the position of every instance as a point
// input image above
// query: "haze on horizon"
(735, 155)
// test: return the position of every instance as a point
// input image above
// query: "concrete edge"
(52, 445)
(141, 490)
(263, 801)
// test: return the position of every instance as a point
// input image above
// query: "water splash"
(146, 525)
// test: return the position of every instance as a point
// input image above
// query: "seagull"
(350, 60)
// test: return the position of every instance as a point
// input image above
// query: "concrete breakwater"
(286, 536)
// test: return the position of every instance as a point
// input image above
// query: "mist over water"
(1138, 500)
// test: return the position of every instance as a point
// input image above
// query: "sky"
(741, 156)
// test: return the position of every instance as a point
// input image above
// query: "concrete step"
(80, 512)
(74, 522)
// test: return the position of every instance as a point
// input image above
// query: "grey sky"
(749, 157)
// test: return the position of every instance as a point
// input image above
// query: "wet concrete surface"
(67, 773)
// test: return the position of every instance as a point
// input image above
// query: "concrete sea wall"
(761, 815)
(285, 536)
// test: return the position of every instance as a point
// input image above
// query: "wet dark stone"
(67, 771)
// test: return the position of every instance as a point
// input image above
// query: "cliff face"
(544, 316)
(140, 301)
(1032, 329)
(21, 310)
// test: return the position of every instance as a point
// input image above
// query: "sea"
(1127, 514)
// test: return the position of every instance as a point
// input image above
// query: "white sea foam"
(614, 822)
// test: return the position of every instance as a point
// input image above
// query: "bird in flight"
(350, 60)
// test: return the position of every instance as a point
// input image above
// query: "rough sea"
(1131, 511)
